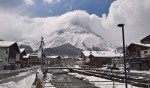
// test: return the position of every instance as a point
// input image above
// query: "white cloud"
(29, 2)
(52, 1)
(134, 13)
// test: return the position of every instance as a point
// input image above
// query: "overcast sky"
(30, 19)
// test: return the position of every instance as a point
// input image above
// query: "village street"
(57, 78)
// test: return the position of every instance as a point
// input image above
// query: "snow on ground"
(106, 84)
(48, 80)
(40, 74)
(20, 74)
(25, 83)
(77, 66)
(24, 73)
(66, 70)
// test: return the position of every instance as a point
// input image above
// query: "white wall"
(4, 56)
(87, 59)
(144, 54)
(17, 57)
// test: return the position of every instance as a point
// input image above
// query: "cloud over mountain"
(134, 13)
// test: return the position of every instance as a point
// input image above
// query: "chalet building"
(26, 60)
(8, 53)
(19, 58)
(140, 54)
(68, 61)
(54, 60)
(85, 55)
(34, 60)
(139, 50)
(97, 59)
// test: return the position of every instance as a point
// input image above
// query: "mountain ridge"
(76, 35)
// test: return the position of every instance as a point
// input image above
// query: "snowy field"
(105, 84)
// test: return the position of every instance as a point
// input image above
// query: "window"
(6, 52)
(134, 54)
(145, 52)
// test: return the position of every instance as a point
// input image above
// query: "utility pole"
(123, 40)
(40, 52)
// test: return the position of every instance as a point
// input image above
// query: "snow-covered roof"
(140, 44)
(52, 56)
(87, 53)
(66, 57)
(102, 53)
(48, 56)
(6, 43)
(21, 50)
(26, 56)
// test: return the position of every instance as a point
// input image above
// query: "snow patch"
(25, 83)
(106, 84)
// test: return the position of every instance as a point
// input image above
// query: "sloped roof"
(102, 53)
(52, 56)
(21, 50)
(145, 38)
(48, 56)
(87, 53)
(140, 44)
(26, 56)
(6, 43)
(66, 57)
(107, 54)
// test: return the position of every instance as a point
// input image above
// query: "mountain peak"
(75, 34)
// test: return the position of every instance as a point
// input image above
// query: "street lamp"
(123, 39)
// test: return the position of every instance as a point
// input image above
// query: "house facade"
(139, 50)
(8, 52)
(140, 54)
(97, 59)
(34, 60)
(55, 60)
(26, 60)
(19, 58)
(67, 61)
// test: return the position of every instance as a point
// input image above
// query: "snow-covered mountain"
(75, 35)
(77, 28)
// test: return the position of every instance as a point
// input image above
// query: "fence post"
(113, 81)
(148, 83)
(131, 84)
